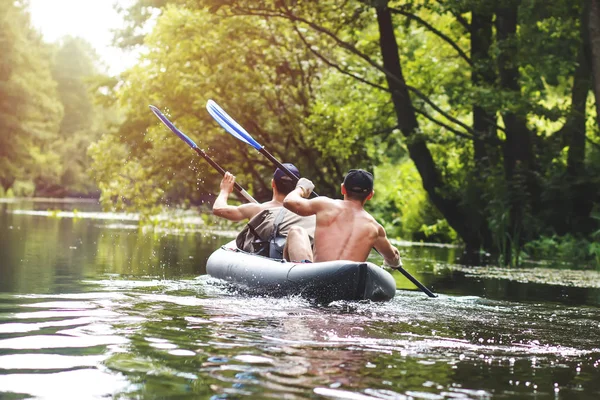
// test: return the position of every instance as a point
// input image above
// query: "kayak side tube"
(323, 282)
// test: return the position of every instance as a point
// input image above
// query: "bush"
(402, 206)
(568, 249)
(23, 188)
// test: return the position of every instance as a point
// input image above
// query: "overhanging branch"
(435, 31)
(288, 15)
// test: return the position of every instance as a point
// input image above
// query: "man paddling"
(281, 185)
(269, 224)
(344, 230)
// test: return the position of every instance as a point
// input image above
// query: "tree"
(75, 70)
(30, 111)
(502, 62)
(268, 92)
(488, 99)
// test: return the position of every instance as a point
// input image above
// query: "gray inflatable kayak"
(323, 282)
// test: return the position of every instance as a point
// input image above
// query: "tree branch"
(385, 130)
(437, 32)
(360, 79)
(336, 66)
(440, 123)
(461, 20)
(348, 46)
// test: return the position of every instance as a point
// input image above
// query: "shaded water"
(93, 308)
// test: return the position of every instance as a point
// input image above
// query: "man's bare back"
(344, 231)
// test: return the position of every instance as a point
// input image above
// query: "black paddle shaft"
(216, 166)
(282, 167)
(416, 282)
(198, 150)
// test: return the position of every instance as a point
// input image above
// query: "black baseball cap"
(279, 174)
(358, 181)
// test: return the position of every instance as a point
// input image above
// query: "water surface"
(92, 307)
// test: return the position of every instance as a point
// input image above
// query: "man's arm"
(232, 213)
(297, 200)
(391, 255)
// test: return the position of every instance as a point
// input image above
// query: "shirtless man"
(344, 231)
(281, 184)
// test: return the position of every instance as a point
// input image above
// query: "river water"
(93, 307)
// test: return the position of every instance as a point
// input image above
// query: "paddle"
(198, 150)
(415, 281)
(240, 133)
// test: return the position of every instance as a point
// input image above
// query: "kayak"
(323, 282)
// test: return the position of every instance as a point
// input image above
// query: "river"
(91, 306)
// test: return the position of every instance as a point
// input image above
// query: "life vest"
(266, 233)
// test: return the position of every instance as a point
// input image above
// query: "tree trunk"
(519, 160)
(484, 121)
(574, 128)
(594, 41)
(519, 146)
(581, 201)
(408, 124)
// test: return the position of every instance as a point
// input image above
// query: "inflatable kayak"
(323, 282)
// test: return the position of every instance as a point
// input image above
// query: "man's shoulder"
(270, 204)
(336, 202)
(370, 220)
(329, 204)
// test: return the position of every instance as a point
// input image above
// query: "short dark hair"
(358, 184)
(284, 183)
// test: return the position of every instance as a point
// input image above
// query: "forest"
(478, 118)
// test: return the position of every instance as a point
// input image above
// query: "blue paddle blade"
(230, 125)
(172, 127)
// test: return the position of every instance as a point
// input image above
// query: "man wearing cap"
(281, 184)
(344, 230)
(269, 223)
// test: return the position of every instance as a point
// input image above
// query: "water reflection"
(89, 311)
(164, 338)
(41, 254)
(285, 347)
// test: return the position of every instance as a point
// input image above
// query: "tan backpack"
(266, 233)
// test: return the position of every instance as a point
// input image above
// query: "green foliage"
(182, 77)
(23, 188)
(306, 79)
(569, 249)
(73, 63)
(75, 71)
(123, 182)
(401, 205)
(47, 116)
(29, 108)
